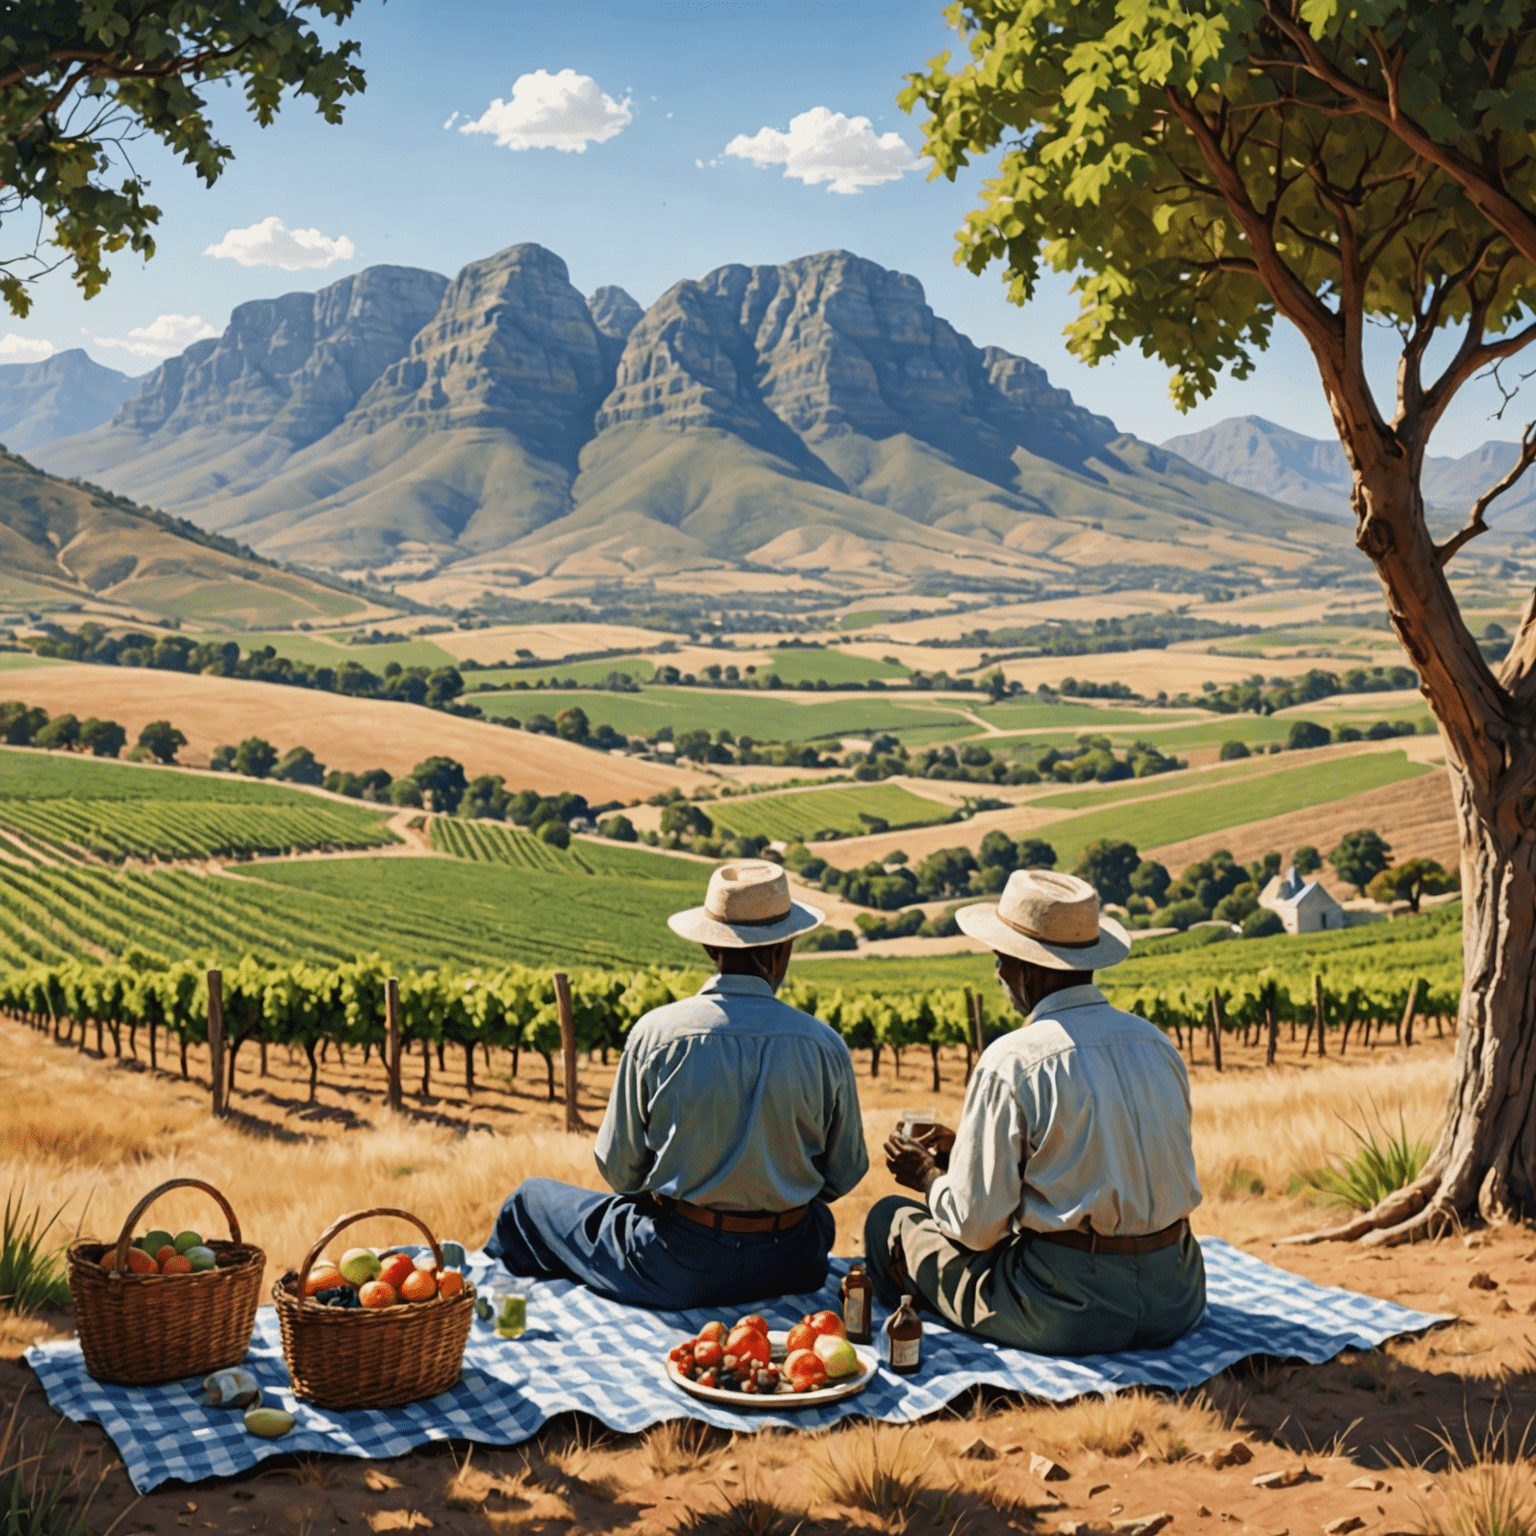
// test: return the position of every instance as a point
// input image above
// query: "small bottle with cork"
(857, 1292)
(904, 1339)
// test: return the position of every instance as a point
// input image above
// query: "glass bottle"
(858, 1292)
(904, 1339)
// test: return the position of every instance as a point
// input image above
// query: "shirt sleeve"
(847, 1156)
(624, 1156)
(978, 1201)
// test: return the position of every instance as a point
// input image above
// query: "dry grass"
(1485, 1489)
(1168, 1428)
(677, 1446)
(752, 1512)
(877, 1467)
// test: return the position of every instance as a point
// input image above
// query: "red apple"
(708, 1352)
(753, 1320)
(822, 1323)
(801, 1336)
(748, 1344)
(714, 1331)
(805, 1371)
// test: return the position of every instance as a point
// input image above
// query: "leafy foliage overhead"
(82, 79)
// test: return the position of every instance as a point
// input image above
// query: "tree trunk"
(933, 1051)
(314, 1068)
(549, 1070)
(426, 1069)
(154, 1063)
(874, 1061)
(1271, 1025)
(469, 1070)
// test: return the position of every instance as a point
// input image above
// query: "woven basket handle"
(121, 1263)
(342, 1223)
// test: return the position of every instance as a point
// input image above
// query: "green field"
(641, 668)
(320, 651)
(1257, 730)
(1078, 717)
(1198, 811)
(491, 842)
(10, 661)
(763, 716)
(1159, 784)
(796, 664)
(116, 811)
(806, 813)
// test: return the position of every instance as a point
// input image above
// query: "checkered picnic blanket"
(583, 1354)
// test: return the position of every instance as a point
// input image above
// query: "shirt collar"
(737, 986)
(1066, 997)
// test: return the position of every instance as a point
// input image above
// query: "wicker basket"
(136, 1330)
(371, 1358)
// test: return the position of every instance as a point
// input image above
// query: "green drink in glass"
(511, 1314)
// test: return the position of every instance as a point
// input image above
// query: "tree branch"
(1475, 523)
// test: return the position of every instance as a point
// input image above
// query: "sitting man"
(734, 1118)
(1057, 1214)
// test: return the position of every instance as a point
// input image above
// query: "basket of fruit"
(164, 1305)
(370, 1331)
(750, 1365)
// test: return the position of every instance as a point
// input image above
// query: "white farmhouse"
(1302, 905)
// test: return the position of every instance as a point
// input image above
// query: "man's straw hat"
(1049, 919)
(747, 905)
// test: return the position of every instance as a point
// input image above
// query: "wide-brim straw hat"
(747, 905)
(1050, 919)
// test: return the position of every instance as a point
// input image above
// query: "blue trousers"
(628, 1248)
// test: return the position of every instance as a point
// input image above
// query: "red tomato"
(714, 1331)
(753, 1320)
(801, 1336)
(708, 1352)
(681, 1352)
(827, 1323)
(748, 1344)
(805, 1370)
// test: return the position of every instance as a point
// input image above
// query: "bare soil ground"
(342, 732)
(1358, 1436)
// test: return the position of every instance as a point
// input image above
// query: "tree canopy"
(82, 79)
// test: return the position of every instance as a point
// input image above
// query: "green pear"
(269, 1423)
(359, 1265)
(838, 1356)
(188, 1239)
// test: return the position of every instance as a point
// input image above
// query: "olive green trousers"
(1043, 1297)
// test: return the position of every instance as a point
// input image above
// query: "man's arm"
(978, 1200)
(847, 1156)
(623, 1155)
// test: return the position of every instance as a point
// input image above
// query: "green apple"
(188, 1239)
(838, 1356)
(153, 1242)
(359, 1265)
(202, 1258)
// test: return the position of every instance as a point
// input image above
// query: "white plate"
(833, 1392)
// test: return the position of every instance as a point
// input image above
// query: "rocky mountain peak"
(614, 312)
(57, 397)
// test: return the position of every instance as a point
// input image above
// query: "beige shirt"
(1078, 1121)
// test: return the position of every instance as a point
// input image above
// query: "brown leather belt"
(735, 1221)
(1092, 1242)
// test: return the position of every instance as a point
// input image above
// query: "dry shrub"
(676, 1446)
(878, 1467)
(1485, 1493)
(576, 1458)
(1168, 1428)
(751, 1513)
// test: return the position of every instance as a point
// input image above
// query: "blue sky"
(657, 200)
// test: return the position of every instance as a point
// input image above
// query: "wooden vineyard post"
(1317, 1011)
(1216, 1023)
(1410, 1008)
(976, 1025)
(216, 1040)
(567, 1048)
(1272, 1025)
(394, 1097)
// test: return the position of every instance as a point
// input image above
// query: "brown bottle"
(858, 1292)
(904, 1339)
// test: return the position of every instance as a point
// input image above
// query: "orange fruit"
(139, 1263)
(162, 1254)
(450, 1283)
(376, 1293)
(177, 1264)
(419, 1286)
(396, 1268)
(322, 1280)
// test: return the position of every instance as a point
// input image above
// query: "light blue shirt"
(734, 1100)
(1080, 1121)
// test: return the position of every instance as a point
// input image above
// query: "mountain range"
(812, 424)
(1313, 473)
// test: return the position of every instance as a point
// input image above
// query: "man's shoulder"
(1074, 1029)
(707, 1013)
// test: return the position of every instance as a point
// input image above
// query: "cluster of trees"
(1137, 632)
(1304, 735)
(1093, 759)
(1261, 697)
(22, 725)
(434, 687)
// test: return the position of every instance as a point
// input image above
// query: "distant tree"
(486, 797)
(102, 738)
(1360, 857)
(1262, 871)
(1307, 860)
(255, 758)
(539, 725)
(222, 760)
(572, 724)
(405, 792)
(78, 82)
(945, 873)
(997, 685)
(1035, 853)
(556, 834)
(19, 725)
(443, 687)
(620, 828)
(997, 848)
(298, 766)
(1151, 879)
(162, 740)
(1107, 865)
(1182, 914)
(1411, 881)
(1232, 750)
(686, 819)
(1305, 735)
(443, 779)
(62, 733)
(1261, 923)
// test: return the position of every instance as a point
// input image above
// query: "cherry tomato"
(754, 1321)
(708, 1352)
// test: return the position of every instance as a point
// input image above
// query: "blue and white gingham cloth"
(583, 1354)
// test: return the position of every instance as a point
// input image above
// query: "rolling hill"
(67, 546)
(815, 419)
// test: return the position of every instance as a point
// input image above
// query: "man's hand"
(939, 1140)
(912, 1164)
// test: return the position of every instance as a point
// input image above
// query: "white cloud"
(564, 111)
(272, 244)
(164, 336)
(825, 146)
(23, 349)
(451, 121)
